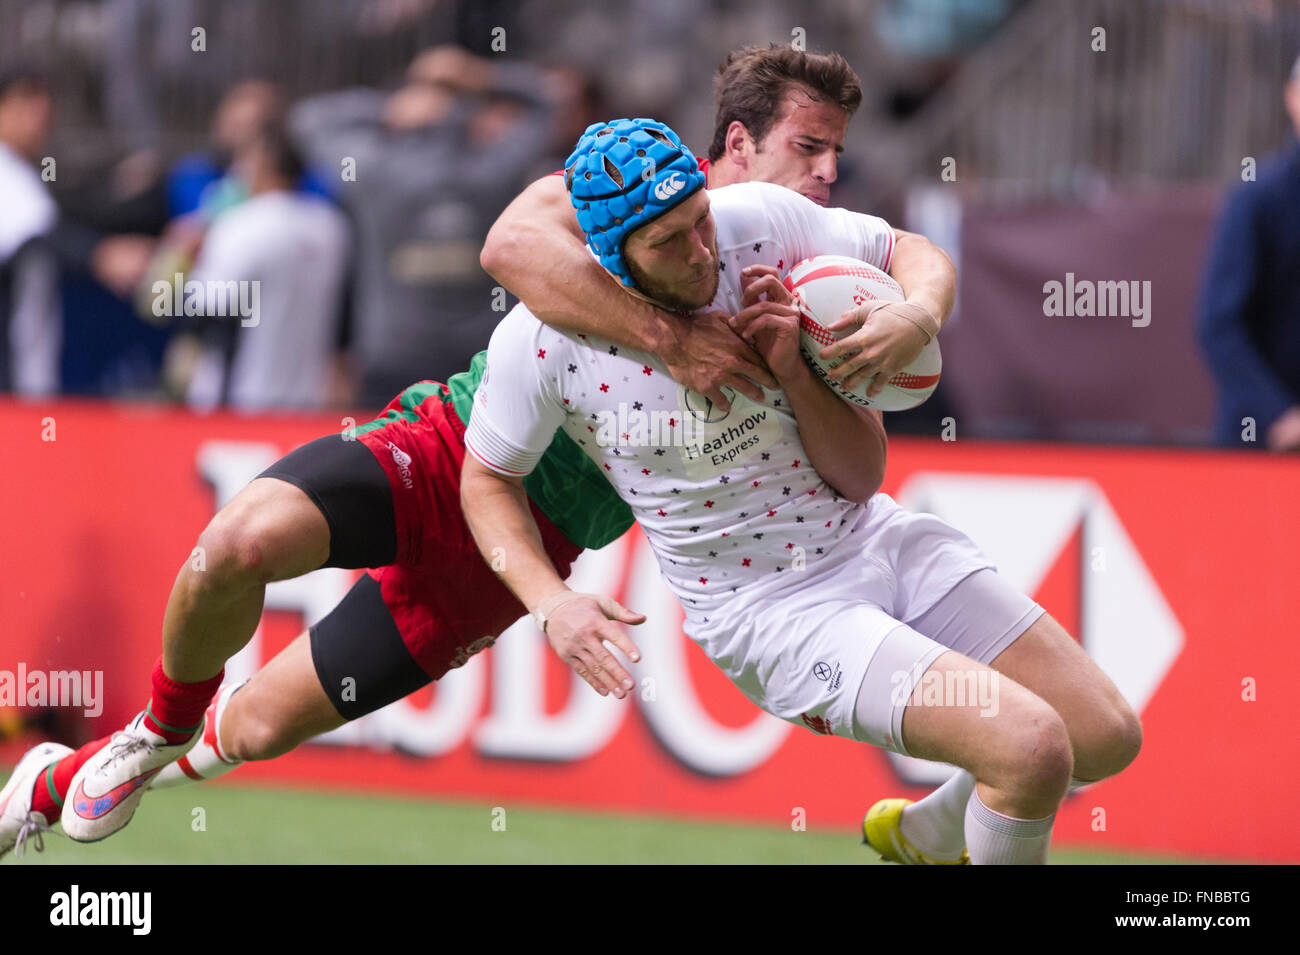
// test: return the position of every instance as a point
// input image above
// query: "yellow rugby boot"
(882, 830)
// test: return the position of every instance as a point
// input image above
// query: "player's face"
(674, 259)
(801, 150)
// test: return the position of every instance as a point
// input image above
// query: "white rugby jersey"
(729, 502)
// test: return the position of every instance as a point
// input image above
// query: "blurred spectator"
(579, 99)
(288, 252)
(200, 186)
(31, 323)
(61, 328)
(1249, 322)
(434, 162)
(245, 111)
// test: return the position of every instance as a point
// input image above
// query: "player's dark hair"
(752, 82)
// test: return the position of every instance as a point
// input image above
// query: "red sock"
(52, 785)
(176, 709)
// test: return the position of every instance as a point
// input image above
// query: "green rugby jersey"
(566, 484)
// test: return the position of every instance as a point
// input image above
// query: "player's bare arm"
(576, 625)
(536, 251)
(889, 336)
(845, 443)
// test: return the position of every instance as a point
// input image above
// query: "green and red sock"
(175, 709)
(174, 712)
(52, 785)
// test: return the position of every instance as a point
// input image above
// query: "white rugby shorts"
(870, 617)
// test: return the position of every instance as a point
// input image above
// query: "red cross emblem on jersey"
(817, 724)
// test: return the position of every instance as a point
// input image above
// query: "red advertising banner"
(1175, 569)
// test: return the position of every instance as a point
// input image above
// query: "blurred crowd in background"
(352, 154)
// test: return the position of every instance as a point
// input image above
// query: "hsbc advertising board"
(1173, 569)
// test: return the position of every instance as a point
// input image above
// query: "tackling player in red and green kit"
(389, 496)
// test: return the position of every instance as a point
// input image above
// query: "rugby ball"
(824, 288)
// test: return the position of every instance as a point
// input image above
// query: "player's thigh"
(327, 503)
(978, 617)
(962, 712)
(363, 657)
(282, 706)
(1105, 731)
(920, 698)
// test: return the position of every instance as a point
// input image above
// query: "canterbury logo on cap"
(670, 186)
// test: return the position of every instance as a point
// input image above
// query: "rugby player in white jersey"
(782, 115)
(880, 596)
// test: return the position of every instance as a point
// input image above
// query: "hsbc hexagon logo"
(1024, 524)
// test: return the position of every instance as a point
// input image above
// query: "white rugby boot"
(104, 793)
(20, 825)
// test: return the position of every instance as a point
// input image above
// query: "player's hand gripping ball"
(824, 288)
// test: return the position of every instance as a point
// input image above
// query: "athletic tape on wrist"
(931, 326)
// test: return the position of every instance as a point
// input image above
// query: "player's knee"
(232, 552)
(1042, 759)
(1121, 741)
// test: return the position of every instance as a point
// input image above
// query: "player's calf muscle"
(250, 734)
(282, 706)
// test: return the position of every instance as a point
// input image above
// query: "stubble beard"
(667, 297)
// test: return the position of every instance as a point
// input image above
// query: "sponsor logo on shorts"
(830, 674)
(403, 462)
(462, 654)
